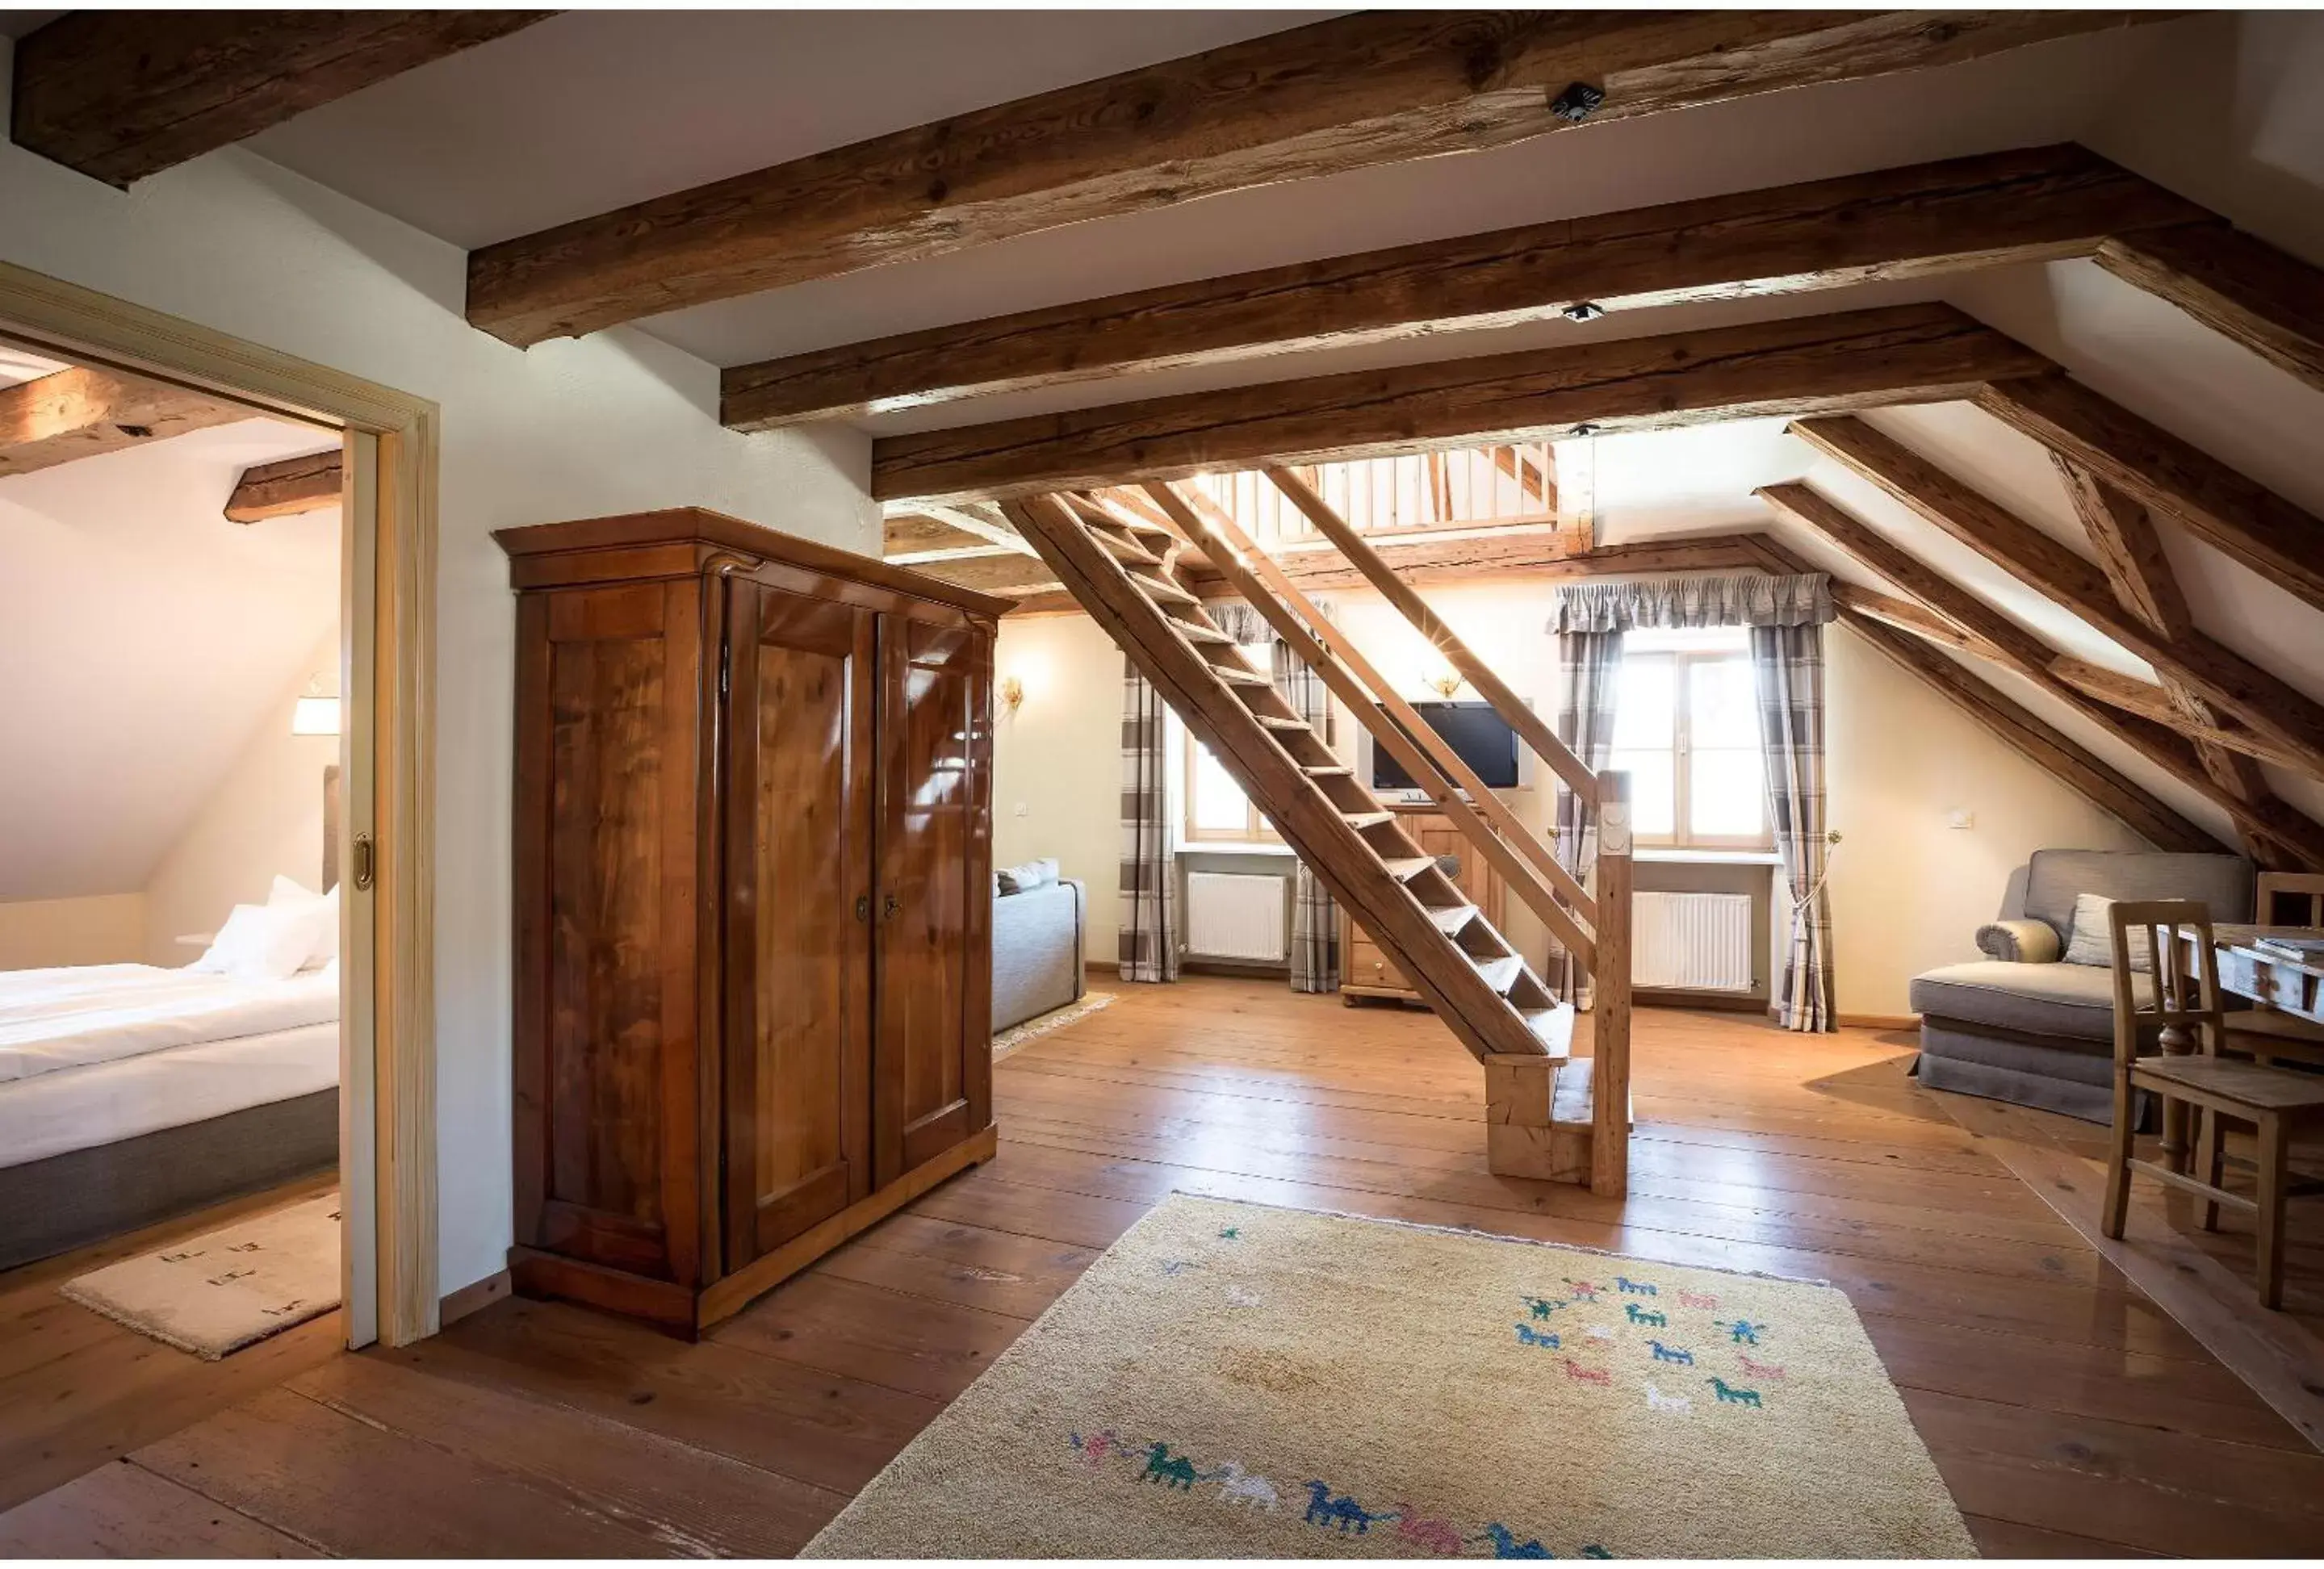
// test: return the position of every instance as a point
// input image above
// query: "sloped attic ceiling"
(143, 640)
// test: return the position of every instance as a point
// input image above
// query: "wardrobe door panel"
(799, 978)
(608, 775)
(933, 1072)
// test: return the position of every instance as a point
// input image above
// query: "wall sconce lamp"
(1012, 692)
(1444, 682)
(315, 717)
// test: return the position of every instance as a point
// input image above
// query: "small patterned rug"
(1232, 1380)
(225, 1290)
(1042, 1024)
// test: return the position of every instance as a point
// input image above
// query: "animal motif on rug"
(1581, 1374)
(1698, 1300)
(1178, 1266)
(1730, 1396)
(1507, 1546)
(1238, 1486)
(1742, 1332)
(1542, 1307)
(1529, 1336)
(1668, 1353)
(1342, 1512)
(1170, 1470)
(1230, 1234)
(1658, 1401)
(1758, 1370)
(1096, 1447)
(1438, 1535)
(1637, 1315)
(1583, 1291)
(1599, 1331)
(1630, 1288)
(1241, 1296)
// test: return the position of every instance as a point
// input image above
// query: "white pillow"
(1028, 875)
(288, 891)
(264, 942)
(2092, 941)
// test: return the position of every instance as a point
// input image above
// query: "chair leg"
(2275, 1175)
(2210, 1162)
(2117, 1192)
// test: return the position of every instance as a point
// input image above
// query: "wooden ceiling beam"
(2071, 765)
(278, 490)
(2043, 204)
(2270, 302)
(2225, 680)
(2034, 660)
(2262, 529)
(85, 412)
(120, 94)
(1350, 92)
(1851, 360)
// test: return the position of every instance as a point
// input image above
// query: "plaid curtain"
(1147, 944)
(1788, 664)
(1588, 664)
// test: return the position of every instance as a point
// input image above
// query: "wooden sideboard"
(1365, 973)
(753, 904)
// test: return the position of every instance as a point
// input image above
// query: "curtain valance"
(1743, 599)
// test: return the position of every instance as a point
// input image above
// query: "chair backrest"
(2185, 989)
(2291, 898)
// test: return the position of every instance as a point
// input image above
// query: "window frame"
(1682, 749)
(1256, 828)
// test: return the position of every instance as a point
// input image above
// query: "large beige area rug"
(225, 1290)
(1234, 1380)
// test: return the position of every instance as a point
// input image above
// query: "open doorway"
(216, 1074)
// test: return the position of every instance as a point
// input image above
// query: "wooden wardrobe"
(753, 904)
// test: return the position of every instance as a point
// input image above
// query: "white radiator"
(1237, 915)
(1692, 942)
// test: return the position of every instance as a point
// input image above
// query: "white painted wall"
(614, 423)
(264, 819)
(108, 929)
(1056, 762)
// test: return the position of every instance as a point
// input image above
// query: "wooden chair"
(2290, 899)
(2276, 1102)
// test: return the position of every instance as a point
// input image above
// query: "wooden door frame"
(387, 663)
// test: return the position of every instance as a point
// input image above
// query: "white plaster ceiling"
(143, 640)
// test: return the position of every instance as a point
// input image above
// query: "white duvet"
(95, 1013)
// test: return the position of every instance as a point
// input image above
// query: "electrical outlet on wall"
(1960, 817)
(1019, 810)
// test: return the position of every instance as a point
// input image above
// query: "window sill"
(1233, 847)
(1709, 857)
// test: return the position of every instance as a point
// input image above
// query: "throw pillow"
(2092, 941)
(263, 943)
(1028, 875)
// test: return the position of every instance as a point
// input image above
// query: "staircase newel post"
(1609, 1133)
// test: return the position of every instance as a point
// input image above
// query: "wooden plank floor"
(2067, 1414)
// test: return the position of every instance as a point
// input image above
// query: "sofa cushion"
(2075, 1001)
(2055, 878)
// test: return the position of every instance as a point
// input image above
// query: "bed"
(129, 1093)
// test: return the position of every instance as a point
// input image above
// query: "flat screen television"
(1481, 737)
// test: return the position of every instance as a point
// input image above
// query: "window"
(1686, 728)
(1217, 811)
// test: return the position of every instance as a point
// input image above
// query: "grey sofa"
(2022, 1026)
(1037, 951)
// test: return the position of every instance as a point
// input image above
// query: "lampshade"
(315, 716)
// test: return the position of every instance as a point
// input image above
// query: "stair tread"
(1195, 632)
(1499, 974)
(1124, 549)
(1368, 819)
(1571, 1102)
(1553, 1027)
(1330, 771)
(1281, 722)
(1404, 867)
(1155, 588)
(1241, 676)
(1452, 917)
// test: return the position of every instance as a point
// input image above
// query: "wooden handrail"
(1544, 741)
(1423, 754)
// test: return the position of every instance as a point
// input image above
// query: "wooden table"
(2277, 984)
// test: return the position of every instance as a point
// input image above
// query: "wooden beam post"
(278, 490)
(85, 412)
(1609, 1033)
(2233, 283)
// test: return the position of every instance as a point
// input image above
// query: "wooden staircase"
(1116, 551)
